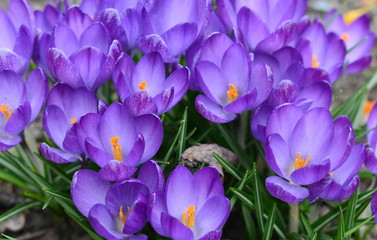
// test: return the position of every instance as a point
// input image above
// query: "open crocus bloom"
(116, 211)
(118, 142)
(83, 55)
(20, 104)
(191, 207)
(229, 80)
(353, 33)
(142, 87)
(16, 40)
(65, 106)
(301, 153)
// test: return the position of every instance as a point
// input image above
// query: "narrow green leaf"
(258, 198)
(53, 166)
(314, 237)
(341, 230)
(307, 226)
(13, 179)
(182, 138)
(171, 148)
(9, 164)
(228, 167)
(351, 210)
(18, 209)
(355, 228)
(20, 148)
(244, 180)
(61, 195)
(7, 237)
(243, 197)
(268, 228)
(45, 205)
(249, 223)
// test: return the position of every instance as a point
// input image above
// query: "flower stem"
(242, 129)
(294, 212)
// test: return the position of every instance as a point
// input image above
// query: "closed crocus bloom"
(65, 106)
(356, 34)
(303, 149)
(16, 40)
(230, 81)
(20, 104)
(264, 25)
(191, 207)
(175, 25)
(116, 211)
(143, 87)
(118, 142)
(83, 55)
(322, 50)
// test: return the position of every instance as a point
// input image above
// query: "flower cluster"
(276, 62)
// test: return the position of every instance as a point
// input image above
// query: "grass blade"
(341, 230)
(351, 210)
(18, 209)
(355, 228)
(249, 223)
(182, 137)
(258, 198)
(307, 226)
(268, 228)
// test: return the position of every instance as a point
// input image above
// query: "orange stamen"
(345, 37)
(315, 63)
(73, 120)
(188, 217)
(301, 162)
(368, 106)
(331, 173)
(142, 85)
(116, 150)
(232, 92)
(6, 110)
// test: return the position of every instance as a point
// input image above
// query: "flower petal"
(175, 229)
(285, 191)
(211, 110)
(56, 155)
(152, 176)
(311, 173)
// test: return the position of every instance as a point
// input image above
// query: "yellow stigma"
(345, 37)
(315, 63)
(73, 120)
(116, 150)
(6, 110)
(350, 16)
(188, 217)
(232, 92)
(301, 162)
(142, 85)
(121, 214)
(368, 106)
(331, 173)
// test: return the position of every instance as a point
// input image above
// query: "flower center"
(345, 37)
(188, 217)
(121, 214)
(315, 63)
(73, 120)
(116, 150)
(6, 110)
(301, 162)
(143, 85)
(232, 92)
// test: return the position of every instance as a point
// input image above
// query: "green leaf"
(355, 228)
(182, 137)
(7, 237)
(244, 180)
(228, 167)
(249, 223)
(307, 226)
(243, 197)
(341, 230)
(268, 228)
(53, 166)
(61, 195)
(84, 224)
(18, 209)
(314, 237)
(351, 210)
(258, 198)
(45, 205)
(13, 179)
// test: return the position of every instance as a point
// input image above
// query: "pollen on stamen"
(301, 162)
(315, 62)
(143, 85)
(345, 37)
(6, 110)
(232, 92)
(116, 150)
(188, 217)
(73, 120)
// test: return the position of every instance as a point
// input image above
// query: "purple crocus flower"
(175, 24)
(20, 104)
(343, 182)
(118, 142)
(371, 159)
(307, 88)
(352, 34)
(65, 106)
(16, 41)
(230, 82)
(142, 87)
(265, 25)
(83, 55)
(191, 207)
(322, 50)
(302, 154)
(116, 211)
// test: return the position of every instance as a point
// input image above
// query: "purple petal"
(137, 217)
(258, 122)
(180, 37)
(140, 103)
(285, 191)
(179, 79)
(37, 90)
(56, 124)
(285, 92)
(374, 206)
(8, 142)
(9, 36)
(214, 47)
(278, 156)
(212, 111)
(318, 188)
(88, 127)
(96, 153)
(243, 103)
(156, 207)
(95, 36)
(311, 173)
(24, 43)
(278, 39)
(63, 69)
(21, 13)
(70, 143)
(175, 229)
(122, 76)
(77, 20)
(84, 196)
(56, 155)
(65, 40)
(211, 216)
(213, 235)
(12, 89)
(104, 223)
(133, 158)
(152, 176)
(12, 61)
(19, 119)
(319, 93)
(116, 171)
(111, 18)
(164, 100)
(208, 185)
(358, 66)
(261, 79)
(154, 43)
